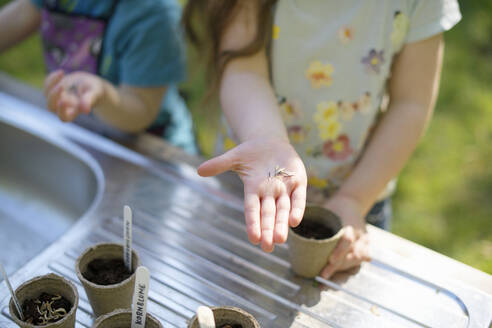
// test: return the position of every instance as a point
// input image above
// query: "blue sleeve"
(153, 53)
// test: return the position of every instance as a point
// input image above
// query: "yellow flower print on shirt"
(364, 103)
(326, 117)
(400, 30)
(330, 131)
(314, 181)
(326, 111)
(296, 133)
(319, 74)
(275, 32)
(229, 144)
(345, 34)
(290, 110)
(346, 110)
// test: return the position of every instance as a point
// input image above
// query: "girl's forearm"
(248, 101)
(390, 147)
(413, 89)
(127, 108)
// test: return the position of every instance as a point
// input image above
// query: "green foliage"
(25, 61)
(444, 198)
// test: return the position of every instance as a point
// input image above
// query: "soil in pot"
(314, 229)
(230, 326)
(45, 309)
(106, 271)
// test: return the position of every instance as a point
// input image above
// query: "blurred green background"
(444, 197)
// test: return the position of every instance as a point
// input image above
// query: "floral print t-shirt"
(330, 64)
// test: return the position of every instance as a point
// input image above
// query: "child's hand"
(353, 247)
(275, 183)
(72, 94)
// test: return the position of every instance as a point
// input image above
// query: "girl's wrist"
(363, 204)
(107, 99)
(267, 137)
(104, 98)
(348, 208)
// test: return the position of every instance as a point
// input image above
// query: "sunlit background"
(444, 196)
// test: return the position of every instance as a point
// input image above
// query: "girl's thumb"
(219, 164)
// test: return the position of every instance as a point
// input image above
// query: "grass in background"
(444, 198)
(25, 61)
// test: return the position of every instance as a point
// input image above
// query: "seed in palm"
(281, 172)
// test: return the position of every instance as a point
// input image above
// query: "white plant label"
(205, 317)
(140, 295)
(127, 232)
(16, 301)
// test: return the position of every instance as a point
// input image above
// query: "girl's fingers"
(282, 219)
(252, 216)
(358, 253)
(298, 204)
(267, 223)
(52, 80)
(329, 270)
(87, 101)
(67, 107)
(361, 249)
(70, 114)
(91, 91)
(67, 113)
(344, 245)
(53, 98)
(349, 262)
(352, 259)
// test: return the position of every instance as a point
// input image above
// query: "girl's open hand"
(69, 95)
(275, 183)
(353, 247)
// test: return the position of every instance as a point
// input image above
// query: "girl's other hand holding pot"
(353, 247)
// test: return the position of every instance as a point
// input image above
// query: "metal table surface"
(190, 233)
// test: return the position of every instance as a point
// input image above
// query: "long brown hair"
(205, 22)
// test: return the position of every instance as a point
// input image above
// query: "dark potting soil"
(106, 271)
(314, 229)
(230, 326)
(52, 307)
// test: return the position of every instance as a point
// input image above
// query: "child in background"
(337, 96)
(120, 59)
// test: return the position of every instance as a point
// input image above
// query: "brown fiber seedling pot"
(309, 256)
(52, 284)
(122, 318)
(106, 298)
(231, 315)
